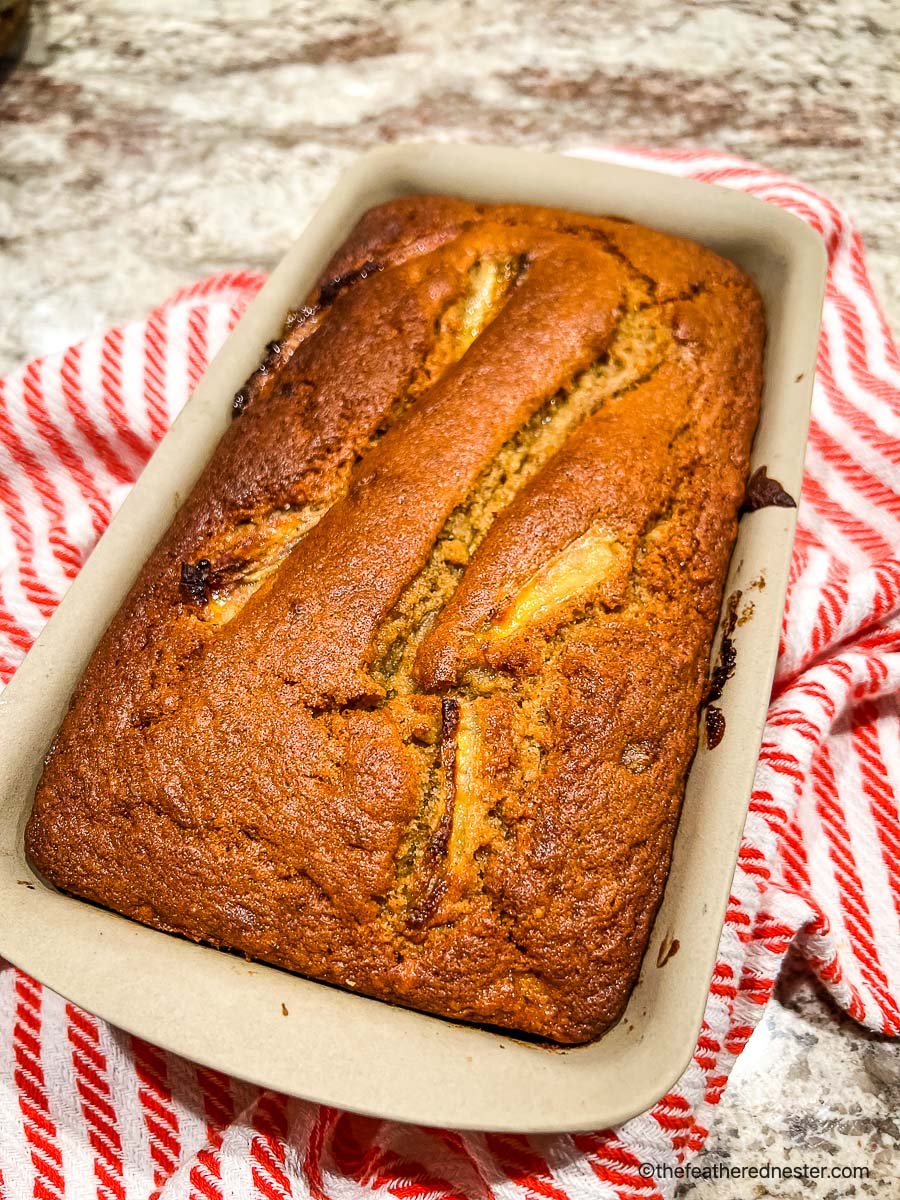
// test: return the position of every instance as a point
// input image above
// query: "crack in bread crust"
(635, 354)
(406, 698)
(242, 558)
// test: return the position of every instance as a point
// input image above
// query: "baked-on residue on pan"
(406, 697)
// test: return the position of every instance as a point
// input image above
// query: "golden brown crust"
(406, 697)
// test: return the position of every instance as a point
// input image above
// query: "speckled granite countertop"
(145, 145)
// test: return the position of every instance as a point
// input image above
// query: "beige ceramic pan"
(315, 1041)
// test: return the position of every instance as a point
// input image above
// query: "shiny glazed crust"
(406, 697)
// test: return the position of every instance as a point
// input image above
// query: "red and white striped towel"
(87, 1111)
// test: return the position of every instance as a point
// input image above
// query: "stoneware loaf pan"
(318, 1042)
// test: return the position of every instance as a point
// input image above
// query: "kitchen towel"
(88, 1111)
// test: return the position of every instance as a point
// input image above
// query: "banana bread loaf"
(406, 697)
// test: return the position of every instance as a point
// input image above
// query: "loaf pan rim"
(380, 1059)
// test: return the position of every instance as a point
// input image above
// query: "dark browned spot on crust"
(194, 583)
(298, 317)
(203, 579)
(715, 726)
(337, 283)
(763, 492)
